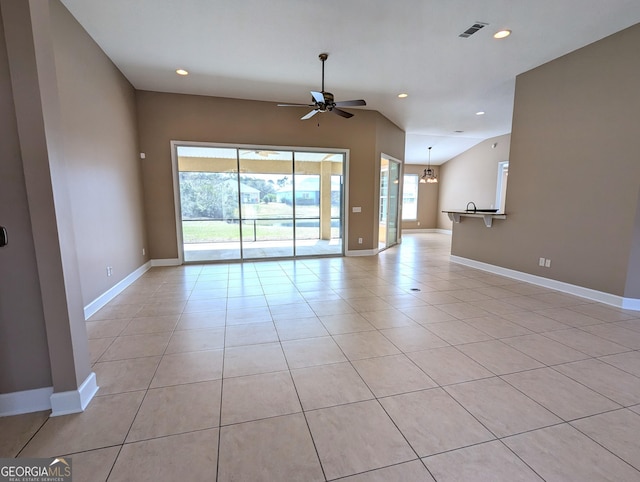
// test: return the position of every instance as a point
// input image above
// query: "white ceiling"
(268, 50)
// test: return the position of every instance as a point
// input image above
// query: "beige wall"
(24, 355)
(165, 117)
(427, 199)
(471, 176)
(101, 156)
(574, 175)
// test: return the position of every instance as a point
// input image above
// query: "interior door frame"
(398, 210)
(176, 187)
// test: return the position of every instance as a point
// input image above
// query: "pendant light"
(429, 175)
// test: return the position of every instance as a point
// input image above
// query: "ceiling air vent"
(473, 29)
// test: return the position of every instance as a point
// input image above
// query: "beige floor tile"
(136, 346)
(189, 367)
(563, 453)
(106, 328)
(94, 465)
(297, 329)
(242, 316)
(569, 317)
(497, 327)
(105, 422)
(607, 380)
(17, 430)
(369, 304)
(392, 375)
(498, 307)
(154, 324)
(199, 306)
(188, 456)
(177, 409)
(499, 357)
(161, 308)
(116, 312)
(559, 394)
(629, 362)
(366, 344)
(329, 385)
(254, 359)
(427, 314)
(196, 340)
(413, 338)
(250, 334)
(356, 437)
(433, 422)
(457, 332)
(97, 348)
(616, 334)
(272, 449)
(199, 321)
(468, 295)
(312, 351)
(125, 375)
(292, 312)
(586, 342)
(448, 365)
(439, 298)
(544, 350)
(500, 407)
(388, 319)
(346, 323)
(604, 312)
(413, 471)
(534, 321)
(258, 396)
(491, 462)
(464, 310)
(616, 431)
(555, 299)
(331, 307)
(526, 303)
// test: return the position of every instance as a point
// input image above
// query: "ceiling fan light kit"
(324, 101)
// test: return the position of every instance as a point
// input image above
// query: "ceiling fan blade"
(309, 115)
(296, 105)
(342, 113)
(350, 103)
(318, 97)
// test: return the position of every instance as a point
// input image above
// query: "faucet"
(474, 206)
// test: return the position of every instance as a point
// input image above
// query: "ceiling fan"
(324, 101)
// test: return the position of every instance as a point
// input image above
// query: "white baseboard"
(444, 231)
(114, 291)
(582, 292)
(361, 252)
(165, 262)
(26, 401)
(41, 399)
(428, 230)
(74, 401)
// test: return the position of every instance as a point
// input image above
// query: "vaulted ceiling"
(268, 50)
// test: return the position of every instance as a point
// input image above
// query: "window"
(410, 197)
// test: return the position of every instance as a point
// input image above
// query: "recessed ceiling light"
(480, 112)
(182, 72)
(403, 95)
(502, 34)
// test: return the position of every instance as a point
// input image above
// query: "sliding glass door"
(253, 203)
(389, 207)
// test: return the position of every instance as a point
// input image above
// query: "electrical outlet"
(547, 263)
(143, 251)
(359, 240)
(109, 270)
(541, 262)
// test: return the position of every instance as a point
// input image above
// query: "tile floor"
(401, 366)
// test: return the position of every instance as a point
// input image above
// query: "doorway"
(389, 206)
(248, 203)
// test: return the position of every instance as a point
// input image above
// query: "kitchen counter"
(488, 215)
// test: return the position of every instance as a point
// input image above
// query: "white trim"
(588, 293)
(114, 291)
(427, 230)
(165, 262)
(74, 401)
(362, 252)
(27, 401)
